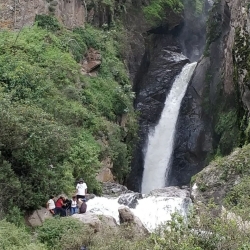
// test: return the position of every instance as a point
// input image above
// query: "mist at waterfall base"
(160, 140)
(154, 210)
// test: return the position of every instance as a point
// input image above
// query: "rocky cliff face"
(160, 65)
(162, 62)
(214, 110)
(15, 14)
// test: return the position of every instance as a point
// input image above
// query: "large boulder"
(97, 222)
(127, 217)
(171, 192)
(129, 199)
(114, 189)
(38, 217)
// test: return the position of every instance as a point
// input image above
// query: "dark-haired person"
(59, 207)
(73, 206)
(81, 189)
(51, 205)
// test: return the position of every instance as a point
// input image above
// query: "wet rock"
(114, 189)
(90, 196)
(129, 199)
(171, 192)
(126, 216)
(160, 66)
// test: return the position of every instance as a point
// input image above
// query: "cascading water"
(154, 210)
(160, 141)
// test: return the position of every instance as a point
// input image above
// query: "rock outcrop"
(216, 180)
(38, 217)
(183, 192)
(97, 222)
(16, 14)
(93, 60)
(126, 216)
(114, 189)
(129, 199)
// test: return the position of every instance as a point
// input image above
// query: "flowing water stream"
(160, 140)
(155, 210)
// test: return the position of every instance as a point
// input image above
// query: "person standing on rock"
(81, 189)
(51, 205)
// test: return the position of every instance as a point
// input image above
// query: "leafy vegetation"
(202, 231)
(56, 123)
(156, 11)
(17, 238)
(64, 233)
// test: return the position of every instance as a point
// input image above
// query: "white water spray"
(160, 141)
(155, 210)
(152, 211)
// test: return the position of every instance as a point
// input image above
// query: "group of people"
(63, 206)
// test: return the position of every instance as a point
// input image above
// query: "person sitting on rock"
(82, 206)
(51, 205)
(81, 189)
(59, 207)
(73, 205)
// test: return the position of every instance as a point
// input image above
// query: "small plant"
(48, 22)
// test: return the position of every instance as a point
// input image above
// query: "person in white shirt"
(51, 205)
(81, 189)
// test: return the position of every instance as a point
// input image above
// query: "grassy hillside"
(56, 123)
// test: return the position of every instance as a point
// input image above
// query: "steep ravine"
(162, 62)
(214, 112)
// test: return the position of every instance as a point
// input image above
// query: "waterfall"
(160, 140)
(154, 210)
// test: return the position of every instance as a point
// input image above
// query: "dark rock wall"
(161, 63)
(154, 80)
(213, 114)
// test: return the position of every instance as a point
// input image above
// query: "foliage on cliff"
(226, 182)
(156, 11)
(57, 124)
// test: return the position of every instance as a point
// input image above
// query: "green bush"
(48, 22)
(64, 233)
(155, 12)
(14, 238)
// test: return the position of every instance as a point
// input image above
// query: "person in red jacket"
(59, 207)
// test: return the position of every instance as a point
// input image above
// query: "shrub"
(155, 12)
(48, 22)
(14, 238)
(64, 233)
